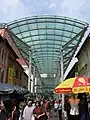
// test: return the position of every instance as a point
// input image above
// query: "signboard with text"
(11, 73)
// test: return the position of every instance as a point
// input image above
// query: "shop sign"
(11, 73)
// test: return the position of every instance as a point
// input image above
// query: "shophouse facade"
(83, 56)
(3, 60)
(10, 70)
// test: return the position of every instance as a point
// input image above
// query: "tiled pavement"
(53, 118)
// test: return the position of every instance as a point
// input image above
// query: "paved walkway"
(53, 118)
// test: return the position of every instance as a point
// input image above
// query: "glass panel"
(18, 42)
(50, 32)
(50, 37)
(42, 32)
(21, 23)
(55, 46)
(70, 22)
(16, 30)
(37, 46)
(58, 32)
(73, 35)
(40, 60)
(26, 34)
(42, 50)
(72, 19)
(27, 39)
(79, 25)
(58, 37)
(68, 27)
(43, 41)
(13, 25)
(77, 30)
(75, 42)
(42, 46)
(60, 20)
(41, 20)
(31, 21)
(23, 28)
(19, 35)
(59, 26)
(50, 46)
(57, 42)
(78, 38)
(42, 37)
(50, 20)
(34, 32)
(67, 34)
(50, 25)
(65, 39)
(32, 26)
(35, 37)
(41, 25)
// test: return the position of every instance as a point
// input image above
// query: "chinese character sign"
(11, 72)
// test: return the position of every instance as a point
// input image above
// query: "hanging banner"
(11, 73)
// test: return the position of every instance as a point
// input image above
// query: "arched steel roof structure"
(45, 36)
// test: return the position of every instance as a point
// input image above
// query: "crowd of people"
(29, 110)
(76, 107)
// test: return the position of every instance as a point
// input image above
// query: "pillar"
(29, 73)
(33, 79)
(62, 77)
(37, 87)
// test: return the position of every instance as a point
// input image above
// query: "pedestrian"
(22, 105)
(60, 110)
(89, 110)
(28, 111)
(39, 112)
(74, 110)
(56, 105)
(3, 114)
(15, 113)
(48, 108)
(83, 108)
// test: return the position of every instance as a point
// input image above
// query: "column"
(59, 72)
(37, 87)
(62, 77)
(33, 79)
(29, 71)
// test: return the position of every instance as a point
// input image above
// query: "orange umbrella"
(75, 85)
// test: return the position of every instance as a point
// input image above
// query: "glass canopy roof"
(45, 36)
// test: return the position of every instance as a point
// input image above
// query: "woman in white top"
(74, 111)
(56, 105)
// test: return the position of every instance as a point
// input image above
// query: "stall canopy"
(12, 89)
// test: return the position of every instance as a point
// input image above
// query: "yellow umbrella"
(75, 85)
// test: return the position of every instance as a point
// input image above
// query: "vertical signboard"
(11, 73)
